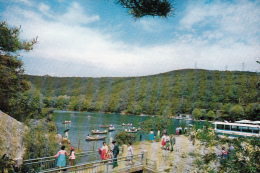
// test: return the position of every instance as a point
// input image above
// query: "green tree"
(140, 8)
(236, 112)
(12, 82)
(196, 113)
(210, 115)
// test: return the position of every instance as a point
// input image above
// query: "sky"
(87, 38)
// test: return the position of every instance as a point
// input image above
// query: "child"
(72, 156)
(110, 155)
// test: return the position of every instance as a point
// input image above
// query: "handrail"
(89, 163)
(42, 158)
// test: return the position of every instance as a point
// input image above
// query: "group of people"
(168, 142)
(62, 157)
(179, 130)
(113, 153)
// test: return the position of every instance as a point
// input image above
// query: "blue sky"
(99, 38)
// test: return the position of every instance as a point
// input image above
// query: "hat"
(113, 142)
(71, 148)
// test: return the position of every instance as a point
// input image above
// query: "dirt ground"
(180, 160)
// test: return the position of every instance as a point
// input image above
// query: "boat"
(89, 116)
(66, 122)
(111, 129)
(237, 129)
(95, 139)
(131, 131)
(105, 132)
(123, 124)
(106, 126)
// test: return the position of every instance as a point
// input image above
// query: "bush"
(124, 138)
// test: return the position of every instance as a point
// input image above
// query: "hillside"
(168, 93)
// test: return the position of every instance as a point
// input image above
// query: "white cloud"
(76, 15)
(63, 38)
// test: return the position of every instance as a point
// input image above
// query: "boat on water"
(237, 129)
(111, 129)
(104, 132)
(89, 116)
(95, 139)
(131, 131)
(106, 125)
(66, 122)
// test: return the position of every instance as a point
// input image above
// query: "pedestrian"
(115, 153)
(177, 131)
(172, 142)
(104, 151)
(151, 136)
(61, 157)
(224, 153)
(72, 156)
(180, 129)
(163, 141)
(130, 153)
(165, 131)
(167, 145)
(185, 130)
(158, 137)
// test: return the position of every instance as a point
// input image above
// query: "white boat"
(237, 129)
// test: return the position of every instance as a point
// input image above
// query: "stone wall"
(11, 136)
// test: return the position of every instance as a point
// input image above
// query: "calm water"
(81, 126)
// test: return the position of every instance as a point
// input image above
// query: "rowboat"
(105, 132)
(106, 126)
(66, 122)
(110, 130)
(95, 139)
(131, 131)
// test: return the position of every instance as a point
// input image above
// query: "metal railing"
(43, 163)
(124, 163)
(150, 164)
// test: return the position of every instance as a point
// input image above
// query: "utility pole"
(243, 66)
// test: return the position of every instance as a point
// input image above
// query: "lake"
(82, 125)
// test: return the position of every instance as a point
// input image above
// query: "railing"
(43, 163)
(150, 164)
(124, 163)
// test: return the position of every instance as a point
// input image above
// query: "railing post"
(144, 157)
(124, 154)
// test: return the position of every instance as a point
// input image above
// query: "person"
(151, 136)
(231, 151)
(115, 153)
(172, 142)
(72, 156)
(130, 153)
(163, 140)
(177, 131)
(97, 131)
(61, 157)
(224, 153)
(167, 145)
(104, 151)
(126, 130)
(180, 129)
(93, 131)
(67, 134)
(110, 154)
(185, 130)
(165, 131)
(158, 136)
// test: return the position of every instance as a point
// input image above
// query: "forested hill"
(179, 91)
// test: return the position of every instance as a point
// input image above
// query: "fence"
(124, 163)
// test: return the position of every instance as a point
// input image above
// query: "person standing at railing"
(104, 151)
(130, 153)
(61, 157)
(115, 153)
(72, 156)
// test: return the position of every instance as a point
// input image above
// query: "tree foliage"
(12, 83)
(165, 94)
(140, 8)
